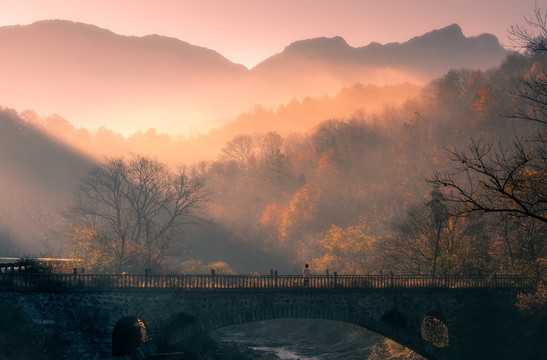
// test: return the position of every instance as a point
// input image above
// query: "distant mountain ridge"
(444, 43)
(94, 77)
(428, 56)
(82, 38)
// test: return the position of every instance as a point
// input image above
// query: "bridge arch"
(395, 331)
(395, 318)
(466, 313)
(434, 329)
(129, 334)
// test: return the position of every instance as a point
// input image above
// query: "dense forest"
(449, 178)
(358, 194)
(351, 195)
(450, 182)
(446, 179)
(354, 194)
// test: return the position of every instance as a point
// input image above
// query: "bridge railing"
(19, 281)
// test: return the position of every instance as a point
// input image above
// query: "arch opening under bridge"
(87, 308)
(183, 326)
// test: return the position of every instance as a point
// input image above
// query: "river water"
(301, 339)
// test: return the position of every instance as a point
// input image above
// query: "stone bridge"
(132, 317)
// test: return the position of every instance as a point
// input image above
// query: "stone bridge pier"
(477, 324)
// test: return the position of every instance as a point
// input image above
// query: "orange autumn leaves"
(345, 250)
(342, 249)
(299, 217)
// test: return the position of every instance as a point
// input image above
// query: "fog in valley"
(149, 154)
(276, 197)
(94, 77)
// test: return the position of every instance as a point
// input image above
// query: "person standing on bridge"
(306, 274)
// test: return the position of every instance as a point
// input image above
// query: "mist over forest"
(348, 194)
(421, 158)
(95, 78)
(356, 169)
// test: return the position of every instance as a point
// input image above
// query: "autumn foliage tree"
(299, 216)
(346, 250)
(428, 240)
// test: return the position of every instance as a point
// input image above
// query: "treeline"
(295, 116)
(351, 195)
(355, 194)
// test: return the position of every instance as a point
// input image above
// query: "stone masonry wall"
(86, 319)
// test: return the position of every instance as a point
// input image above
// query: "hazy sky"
(249, 31)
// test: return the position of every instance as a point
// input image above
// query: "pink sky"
(249, 31)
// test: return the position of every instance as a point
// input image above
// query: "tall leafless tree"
(240, 150)
(531, 37)
(510, 179)
(487, 178)
(135, 208)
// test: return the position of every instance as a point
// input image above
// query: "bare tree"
(525, 38)
(239, 149)
(487, 178)
(134, 209)
(270, 144)
(510, 179)
(532, 97)
(427, 240)
(513, 180)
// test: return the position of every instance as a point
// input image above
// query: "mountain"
(94, 77)
(431, 54)
(437, 51)
(29, 156)
(38, 174)
(97, 78)
(420, 59)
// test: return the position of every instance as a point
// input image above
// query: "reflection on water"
(271, 346)
(282, 339)
(283, 353)
(303, 339)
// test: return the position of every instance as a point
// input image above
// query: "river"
(301, 339)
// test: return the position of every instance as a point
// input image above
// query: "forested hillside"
(38, 173)
(357, 194)
(297, 116)
(139, 157)
(94, 77)
(350, 195)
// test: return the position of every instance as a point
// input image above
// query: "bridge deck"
(22, 281)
